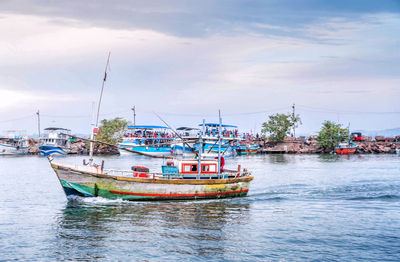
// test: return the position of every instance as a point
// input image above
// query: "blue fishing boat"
(229, 138)
(149, 139)
(55, 141)
(185, 143)
(247, 148)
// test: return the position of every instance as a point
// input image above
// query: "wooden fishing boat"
(179, 180)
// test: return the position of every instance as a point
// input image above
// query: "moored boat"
(14, 143)
(346, 148)
(247, 148)
(228, 136)
(149, 139)
(55, 140)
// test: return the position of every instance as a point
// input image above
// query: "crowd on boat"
(148, 134)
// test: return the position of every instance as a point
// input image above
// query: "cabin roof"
(196, 161)
(186, 128)
(216, 125)
(146, 127)
(57, 128)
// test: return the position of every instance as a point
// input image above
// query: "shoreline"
(311, 147)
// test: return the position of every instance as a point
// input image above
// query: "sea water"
(299, 208)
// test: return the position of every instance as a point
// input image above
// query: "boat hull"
(89, 185)
(53, 150)
(345, 151)
(12, 150)
(247, 151)
(152, 150)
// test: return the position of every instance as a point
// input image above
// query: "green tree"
(279, 125)
(331, 135)
(111, 131)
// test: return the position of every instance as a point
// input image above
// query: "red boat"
(346, 148)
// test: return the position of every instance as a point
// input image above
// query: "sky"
(185, 60)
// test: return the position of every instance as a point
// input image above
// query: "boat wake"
(95, 200)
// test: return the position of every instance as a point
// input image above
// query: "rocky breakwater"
(78, 146)
(81, 147)
(377, 147)
(33, 148)
(308, 145)
(290, 145)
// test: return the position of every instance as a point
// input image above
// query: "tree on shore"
(279, 125)
(111, 131)
(331, 135)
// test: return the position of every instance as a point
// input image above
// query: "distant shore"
(292, 146)
(289, 146)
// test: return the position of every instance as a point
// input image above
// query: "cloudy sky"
(336, 60)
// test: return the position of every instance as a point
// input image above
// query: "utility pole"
(134, 115)
(293, 116)
(38, 116)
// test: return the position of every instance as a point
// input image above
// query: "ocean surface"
(299, 208)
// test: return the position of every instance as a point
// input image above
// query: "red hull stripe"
(180, 195)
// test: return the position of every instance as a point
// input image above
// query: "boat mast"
(200, 149)
(219, 142)
(92, 134)
(102, 87)
(98, 107)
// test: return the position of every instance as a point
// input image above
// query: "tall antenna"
(102, 87)
(38, 117)
(134, 115)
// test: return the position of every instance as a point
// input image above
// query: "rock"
(289, 139)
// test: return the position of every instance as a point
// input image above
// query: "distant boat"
(55, 141)
(184, 144)
(150, 139)
(14, 143)
(247, 148)
(229, 137)
(346, 148)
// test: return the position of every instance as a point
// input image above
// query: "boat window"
(213, 168)
(186, 168)
(206, 168)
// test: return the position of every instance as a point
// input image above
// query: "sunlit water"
(299, 207)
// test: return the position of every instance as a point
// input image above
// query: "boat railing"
(164, 176)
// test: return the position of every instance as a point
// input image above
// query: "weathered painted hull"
(113, 187)
(53, 150)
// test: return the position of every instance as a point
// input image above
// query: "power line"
(19, 118)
